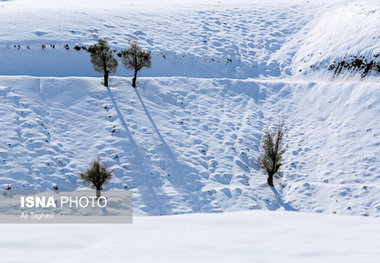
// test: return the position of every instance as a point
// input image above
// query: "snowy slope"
(338, 32)
(257, 236)
(188, 138)
(189, 142)
(188, 38)
(190, 145)
(237, 39)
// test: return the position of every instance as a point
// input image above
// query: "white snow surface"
(348, 29)
(188, 138)
(236, 39)
(190, 145)
(251, 236)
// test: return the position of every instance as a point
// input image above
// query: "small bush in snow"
(97, 176)
(102, 59)
(135, 58)
(270, 160)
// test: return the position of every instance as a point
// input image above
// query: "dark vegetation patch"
(356, 64)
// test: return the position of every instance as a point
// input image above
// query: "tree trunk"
(134, 79)
(270, 179)
(98, 194)
(106, 73)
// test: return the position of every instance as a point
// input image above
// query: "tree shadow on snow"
(147, 191)
(286, 206)
(178, 171)
(167, 148)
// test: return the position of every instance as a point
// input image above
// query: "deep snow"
(190, 145)
(187, 139)
(236, 39)
(253, 236)
(211, 40)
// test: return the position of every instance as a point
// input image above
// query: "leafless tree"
(271, 159)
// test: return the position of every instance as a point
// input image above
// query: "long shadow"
(121, 118)
(178, 168)
(286, 206)
(138, 155)
(167, 148)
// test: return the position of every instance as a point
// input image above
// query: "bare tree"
(103, 59)
(135, 58)
(97, 176)
(270, 160)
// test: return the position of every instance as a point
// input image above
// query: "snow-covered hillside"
(341, 32)
(235, 39)
(188, 138)
(190, 145)
(211, 39)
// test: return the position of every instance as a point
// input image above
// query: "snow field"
(191, 145)
(251, 236)
(187, 139)
(212, 39)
